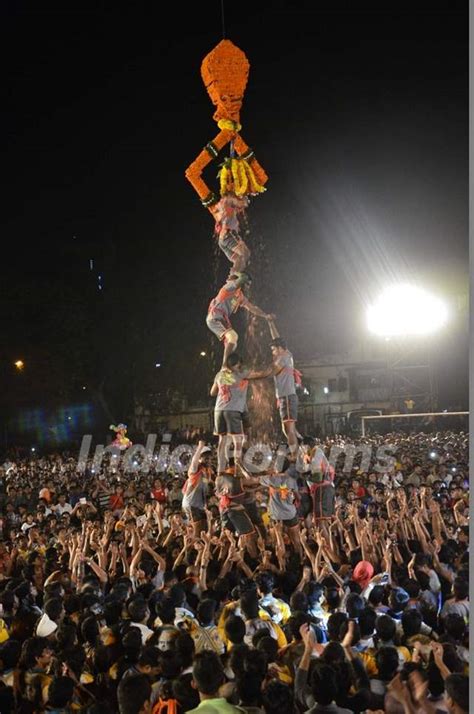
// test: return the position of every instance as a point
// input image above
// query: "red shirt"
(159, 494)
(116, 501)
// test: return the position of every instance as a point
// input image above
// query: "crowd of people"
(131, 592)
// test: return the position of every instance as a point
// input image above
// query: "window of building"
(342, 384)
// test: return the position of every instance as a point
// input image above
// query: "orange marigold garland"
(237, 176)
(225, 72)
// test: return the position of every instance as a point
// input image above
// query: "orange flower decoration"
(225, 72)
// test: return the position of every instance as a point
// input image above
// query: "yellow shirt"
(263, 615)
(4, 636)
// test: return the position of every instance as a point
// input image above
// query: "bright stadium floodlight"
(404, 310)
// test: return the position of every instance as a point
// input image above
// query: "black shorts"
(228, 422)
(288, 408)
(237, 521)
(305, 505)
(253, 513)
(290, 522)
(197, 514)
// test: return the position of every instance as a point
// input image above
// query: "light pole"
(406, 316)
(326, 413)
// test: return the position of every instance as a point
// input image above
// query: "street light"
(203, 354)
(19, 364)
(403, 310)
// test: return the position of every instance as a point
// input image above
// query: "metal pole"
(363, 426)
(410, 416)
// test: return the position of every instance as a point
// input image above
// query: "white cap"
(45, 626)
(205, 449)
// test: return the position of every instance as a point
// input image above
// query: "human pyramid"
(225, 72)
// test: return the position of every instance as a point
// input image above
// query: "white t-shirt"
(144, 629)
(25, 527)
(67, 508)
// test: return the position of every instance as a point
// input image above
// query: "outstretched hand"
(308, 636)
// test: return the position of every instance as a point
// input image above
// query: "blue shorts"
(288, 408)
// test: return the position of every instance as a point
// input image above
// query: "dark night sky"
(359, 117)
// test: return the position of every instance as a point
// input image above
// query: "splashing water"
(262, 402)
(263, 418)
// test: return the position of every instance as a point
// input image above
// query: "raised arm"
(262, 374)
(193, 466)
(249, 479)
(100, 572)
(136, 561)
(156, 556)
(273, 329)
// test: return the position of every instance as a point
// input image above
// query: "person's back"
(457, 693)
(459, 604)
(204, 632)
(60, 695)
(251, 615)
(250, 672)
(387, 666)
(133, 694)
(208, 677)
(324, 687)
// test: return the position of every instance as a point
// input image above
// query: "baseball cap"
(206, 450)
(399, 596)
(363, 573)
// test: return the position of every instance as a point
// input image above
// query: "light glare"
(406, 310)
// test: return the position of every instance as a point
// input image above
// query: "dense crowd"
(135, 592)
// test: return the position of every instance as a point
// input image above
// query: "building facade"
(372, 378)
